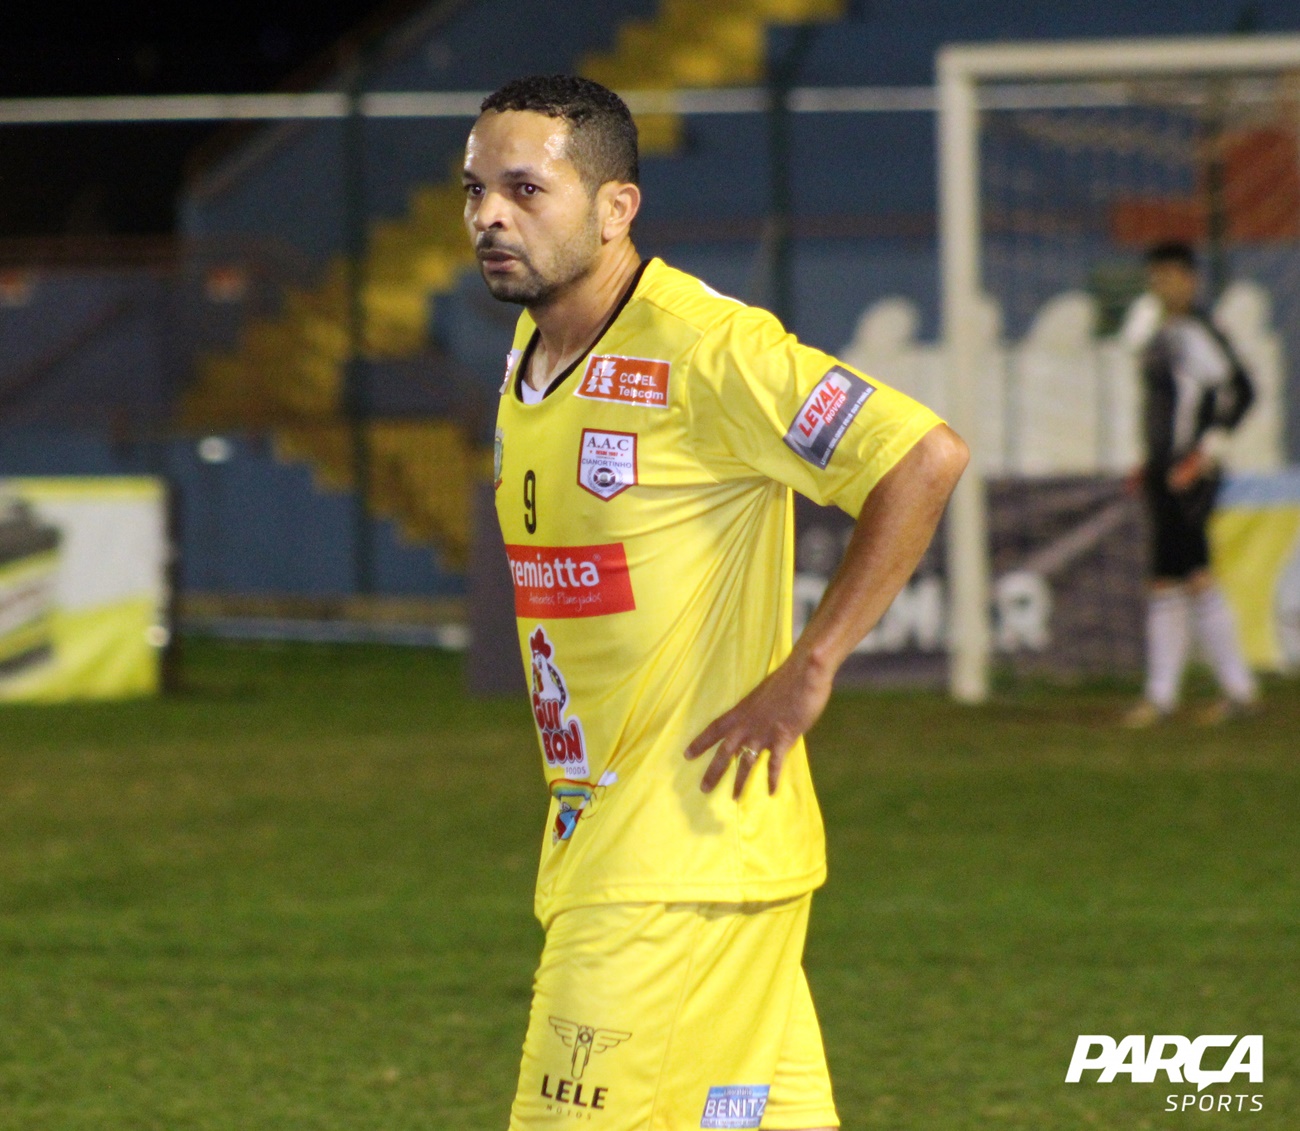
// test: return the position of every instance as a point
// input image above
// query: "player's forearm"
(893, 530)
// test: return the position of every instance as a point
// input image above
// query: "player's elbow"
(947, 456)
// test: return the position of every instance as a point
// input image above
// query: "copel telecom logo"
(641, 381)
(1181, 1059)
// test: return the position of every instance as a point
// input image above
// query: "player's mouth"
(497, 260)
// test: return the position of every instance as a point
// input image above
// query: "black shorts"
(1179, 546)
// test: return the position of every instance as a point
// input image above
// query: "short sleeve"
(1201, 358)
(762, 403)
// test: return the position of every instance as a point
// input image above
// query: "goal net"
(1059, 165)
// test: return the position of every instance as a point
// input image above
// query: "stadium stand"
(245, 332)
(288, 369)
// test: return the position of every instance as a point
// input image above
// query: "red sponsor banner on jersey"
(570, 581)
(626, 380)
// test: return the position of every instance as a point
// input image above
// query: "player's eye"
(529, 189)
(473, 189)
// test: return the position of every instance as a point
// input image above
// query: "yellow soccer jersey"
(647, 512)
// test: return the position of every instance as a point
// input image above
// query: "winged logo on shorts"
(585, 1041)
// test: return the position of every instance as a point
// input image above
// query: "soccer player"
(649, 434)
(1196, 392)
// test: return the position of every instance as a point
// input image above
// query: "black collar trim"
(628, 292)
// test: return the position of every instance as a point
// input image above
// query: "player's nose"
(491, 212)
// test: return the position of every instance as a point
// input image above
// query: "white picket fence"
(1063, 400)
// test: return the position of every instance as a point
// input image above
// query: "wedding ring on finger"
(749, 754)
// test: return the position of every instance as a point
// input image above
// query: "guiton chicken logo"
(562, 741)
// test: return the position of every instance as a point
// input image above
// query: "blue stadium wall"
(863, 199)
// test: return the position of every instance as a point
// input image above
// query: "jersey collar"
(522, 368)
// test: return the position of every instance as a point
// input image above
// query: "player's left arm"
(1215, 364)
(893, 529)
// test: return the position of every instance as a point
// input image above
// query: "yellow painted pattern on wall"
(1250, 547)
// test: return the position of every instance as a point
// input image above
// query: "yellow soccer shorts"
(670, 1017)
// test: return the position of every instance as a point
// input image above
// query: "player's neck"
(569, 322)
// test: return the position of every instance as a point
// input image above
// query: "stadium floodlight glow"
(972, 79)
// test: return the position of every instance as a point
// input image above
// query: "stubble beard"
(574, 261)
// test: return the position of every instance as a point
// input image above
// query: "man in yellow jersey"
(649, 436)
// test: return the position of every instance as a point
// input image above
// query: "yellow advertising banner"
(1255, 545)
(83, 588)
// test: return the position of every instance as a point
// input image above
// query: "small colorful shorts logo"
(735, 1106)
(572, 797)
(826, 414)
(572, 800)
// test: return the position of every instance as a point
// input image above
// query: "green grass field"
(299, 896)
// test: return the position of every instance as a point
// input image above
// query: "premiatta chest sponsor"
(570, 581)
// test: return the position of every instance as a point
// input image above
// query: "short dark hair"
(1172, 251)
(602, 134)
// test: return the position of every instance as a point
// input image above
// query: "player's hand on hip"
(1188, 470)
(770, 718)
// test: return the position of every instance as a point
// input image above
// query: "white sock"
(1217, 632)
(1168, 639)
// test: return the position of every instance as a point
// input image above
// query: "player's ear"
(618, 203)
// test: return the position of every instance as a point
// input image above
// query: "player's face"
(534, 226)
(1174, 285)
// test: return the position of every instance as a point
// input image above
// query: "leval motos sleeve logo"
(626, 380)
(826, 414)
(570, 581)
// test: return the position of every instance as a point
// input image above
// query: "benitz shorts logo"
(735, 1106)
(826, 414)
(607, 462)
(639, 381)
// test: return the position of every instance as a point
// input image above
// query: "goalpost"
(1058, 162)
